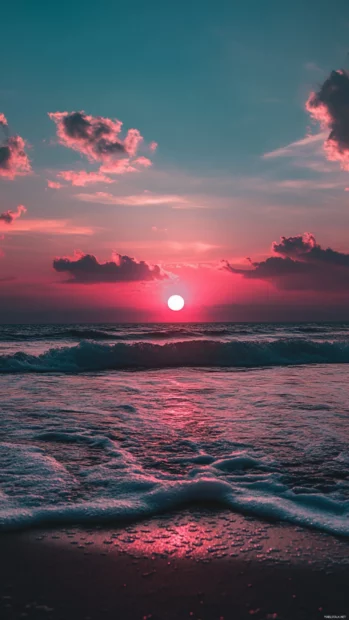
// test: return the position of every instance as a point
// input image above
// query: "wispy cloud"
(50, 227)
(297, 148)
(141, 200)
(169, 247)
(82, 178)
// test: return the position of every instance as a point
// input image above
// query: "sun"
(175, 302)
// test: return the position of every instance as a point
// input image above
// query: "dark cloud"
(13, 158)
(302, 264)
(305, 249)
(86, 269)
(330, 107)
(9, 216)
(94, 136)
(294, 246)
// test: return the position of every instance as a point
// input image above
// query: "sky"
(194, 148)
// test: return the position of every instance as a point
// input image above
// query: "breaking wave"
(93, 356)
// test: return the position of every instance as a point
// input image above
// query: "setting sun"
(175, 302)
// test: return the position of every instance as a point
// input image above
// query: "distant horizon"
(179, 323)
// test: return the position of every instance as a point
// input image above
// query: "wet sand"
(197, 564)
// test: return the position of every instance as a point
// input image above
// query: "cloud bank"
(87, 270)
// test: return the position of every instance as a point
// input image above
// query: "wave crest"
(92, 356)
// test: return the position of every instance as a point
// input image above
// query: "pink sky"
(116, 230)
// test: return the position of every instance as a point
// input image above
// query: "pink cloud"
(50, 227)
(143, 161)
(96, 137)
(100, 139)
(10, 216)
(136, 200)
(54, 185)
(13, 158)
(3, 120)
(82, 178)
(132, 141)
(318, 111)
(121, 166)
(153, 146)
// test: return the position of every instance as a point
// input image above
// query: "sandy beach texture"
(197, 565)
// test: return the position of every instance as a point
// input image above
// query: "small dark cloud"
(86, 269)
(9, 216)
(13, 158)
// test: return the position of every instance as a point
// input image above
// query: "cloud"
(312, 66)
(13, 159)
(9, 216)
(54, 185)
(50, 227)
(301, 264)
(143, 161)
(153, 146)
(295, 246)
(82, 178)
(144, 199)
(298, 147)
(87, 270)
(330, 107)
(100, 140)
(136, 200)
(121, 166)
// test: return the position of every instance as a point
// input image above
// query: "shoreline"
(196, 565)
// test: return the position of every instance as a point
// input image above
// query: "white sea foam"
(34, 486)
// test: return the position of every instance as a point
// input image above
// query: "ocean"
(112, 423)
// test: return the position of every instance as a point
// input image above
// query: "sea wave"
(110, 334)
(93, 356)
(120, 490)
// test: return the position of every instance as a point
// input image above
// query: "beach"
(201, 483)
(198, 564)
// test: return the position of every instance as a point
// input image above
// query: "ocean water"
(109, 423)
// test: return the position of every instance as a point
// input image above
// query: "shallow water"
(81, 446)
